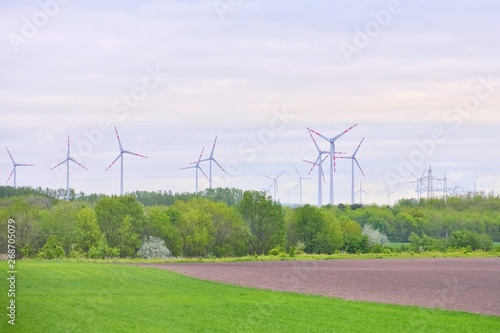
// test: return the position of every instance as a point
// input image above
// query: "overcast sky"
(421, 79)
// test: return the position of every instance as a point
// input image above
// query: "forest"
(230, 222)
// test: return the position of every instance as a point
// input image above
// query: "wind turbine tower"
(332, 154)
(67, 160)
(120, 156)
(15, 165)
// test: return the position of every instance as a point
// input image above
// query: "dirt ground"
(471, 285)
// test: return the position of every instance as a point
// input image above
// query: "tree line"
(231, 222)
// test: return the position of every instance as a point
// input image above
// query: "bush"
(102, 250)
(300, 247)
(278, 250)
(374, 236)
(426, 243)
(463, 238)
(154, 248)
(52, 249)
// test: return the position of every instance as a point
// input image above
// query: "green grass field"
(65, 296)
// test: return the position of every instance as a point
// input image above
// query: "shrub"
(300, 247)
(154, 248)
(374, 236)
(102, 250)
(476, 241)
(278, 250)
(52, 249)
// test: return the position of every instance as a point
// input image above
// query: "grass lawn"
(65, 296)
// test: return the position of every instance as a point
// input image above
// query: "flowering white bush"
(374, 236)
(154, 248)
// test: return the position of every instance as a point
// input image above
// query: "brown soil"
(471, 285)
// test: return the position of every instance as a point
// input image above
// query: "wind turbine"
(388, 196)
(319, 163)
(197, 167)
(354, 159)
(300, 184)
(360, 191)
(275, 183)
(420, 183)
(68, 158)
(289, 194)
(211, 158)
(15, 165)
(332, 154)
(120, 156)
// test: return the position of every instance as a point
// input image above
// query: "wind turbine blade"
(219, 165)
(413, 175)
(280, 174)
(71, 159)
(314, 140)
(199, 158)
(313, 164)
(67, 154)
(298, 183)
(298, 174)
(203, 172)
(318, 134)
(58, 164)
(268, 177)
(10, 175)
(359, 166)
(356, 151)
(118, 137)
(132, 153)
(12, 159)
(25, 165)
(189, 167)
(213, 148)
(113, 162)
(344, 132)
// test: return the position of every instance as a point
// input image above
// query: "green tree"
(87, 233)
(265, 220)
(121, 219)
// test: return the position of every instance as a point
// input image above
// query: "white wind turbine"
(420, 183)
(120, 156)
(197, 167)
(354, 159)
(319, 163)
(15, 165)
(388, 196)
(68, 158)
(275, 183)
(332, 154)
(211, 158)
(361, 191)
(300, 184)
